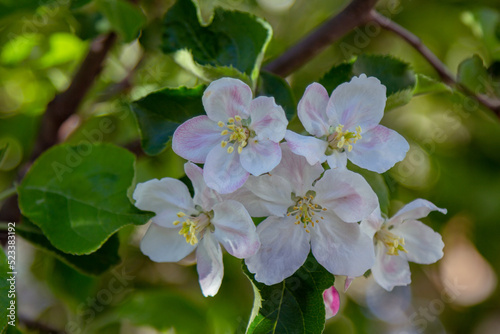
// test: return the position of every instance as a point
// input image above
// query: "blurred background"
(454, 161)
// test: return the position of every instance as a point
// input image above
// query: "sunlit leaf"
(232, 39)
(93, 264)
(77, 195)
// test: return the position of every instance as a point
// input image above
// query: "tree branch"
(66, 103)
(355, 14)
(444, 73)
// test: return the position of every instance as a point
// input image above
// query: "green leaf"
(273, 85)
(396, 75)
(164, 309)
(125, 18)
(3, 150)
(426, 85)
(293, 306)
(93, 264)
(77, 195)
(161, 112)
(5, 291)
(231, 40)
(473, 75)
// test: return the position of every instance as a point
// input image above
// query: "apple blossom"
(183, 224)
(306, 214)
(331, 298)
(400, 239)
(346, 126)
(238, 137)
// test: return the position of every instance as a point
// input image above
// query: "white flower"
(303, 216)
(183, 224)
(346, 126)
(400, 239)
(238, 137)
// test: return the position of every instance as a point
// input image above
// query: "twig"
(444, 73)
(66, 103)
(355, 14)
(7, 193)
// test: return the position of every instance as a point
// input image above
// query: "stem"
(355, 14)
(441, 69)
(7, 193)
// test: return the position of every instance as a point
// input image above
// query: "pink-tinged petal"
(360, 102)
(203, 196)
(346, 193)
(390, 270)
(268, 119)
(234, 229)
(165, 244)
(194, 138)
(260, 156)
(337, 160)
(265, 195)
(423, 245)
(312, 110)
(371, 224)
(347, 283)
(312, 148)
(341, 247)
(225, 98)
(331, 298)
(379, 149)
(165, 197)
(417, 209)
(297, 171)
(284, 249)
(209, 265)
(223, 171)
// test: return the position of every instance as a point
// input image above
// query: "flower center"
(304, 211)
(235, 134)
(392, 242)
(341, 139)
(193, 227)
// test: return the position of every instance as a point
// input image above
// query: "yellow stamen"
(223, 143)
(237, 118)
(230, 149)
(240, 149)
(224, 132)
(221, 124)
(181, 214)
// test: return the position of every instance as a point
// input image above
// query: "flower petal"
(371, 224)
(417, 209)
(284, 249)
(297, 171)
(223, 171)
(235, 230)
(260, 156)
(312, 148)
(210, 267)
(337, 160)
(165, 197)
(390, 270)
(266, 195)
(312, 110)
(268, 119)
(194, 138)
(341, 247)
(423, 245)
(331, 298)
(379, 149)
(165, 244)
(360, 102)
(225, 98)
(204, 196)
(346, 193)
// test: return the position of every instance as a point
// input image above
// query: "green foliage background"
(454, 160)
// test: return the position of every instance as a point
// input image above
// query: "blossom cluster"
(298, 183)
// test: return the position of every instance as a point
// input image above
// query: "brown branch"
(441, 69)
(355, 14)
(66, 103)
